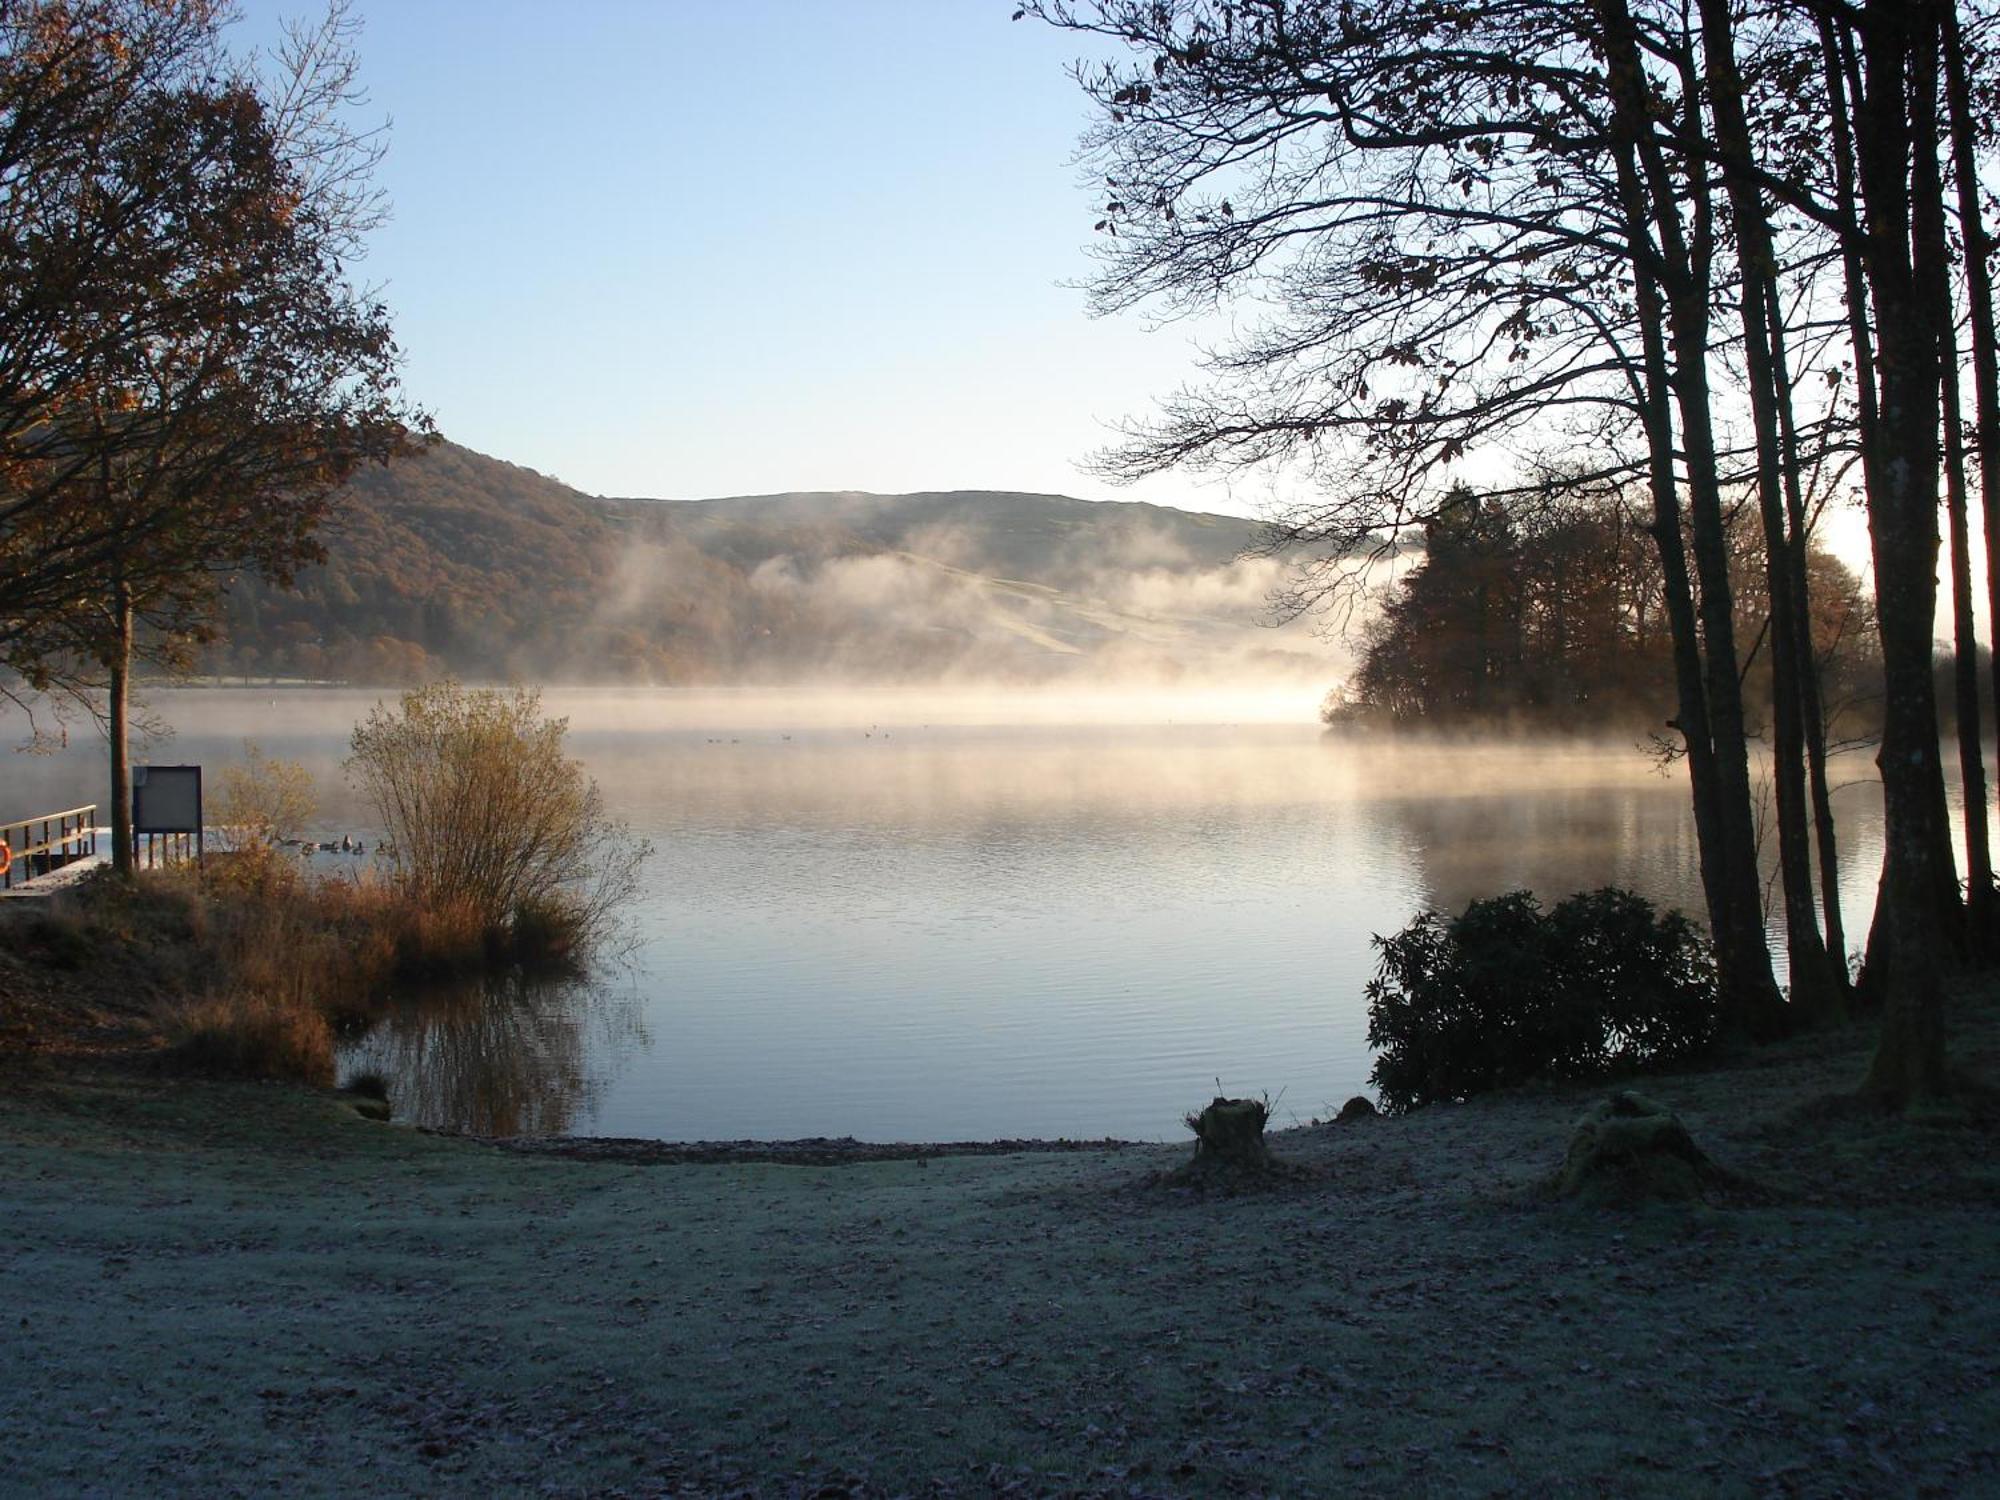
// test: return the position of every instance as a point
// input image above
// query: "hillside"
(453, 561)
(1048, 539)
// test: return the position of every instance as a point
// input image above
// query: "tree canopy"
(1703, 248)
(187, 373)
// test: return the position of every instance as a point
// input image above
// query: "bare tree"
(1518, 222)
(1470, 233)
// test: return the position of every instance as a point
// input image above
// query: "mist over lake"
(934, 915)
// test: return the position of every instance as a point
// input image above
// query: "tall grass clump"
(494, 828)
(287, 962)
(1506, 993)
(248, 1035)
(275, 974)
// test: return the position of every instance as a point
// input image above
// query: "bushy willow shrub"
(260, 800)
(1506, 992)
(492, 825)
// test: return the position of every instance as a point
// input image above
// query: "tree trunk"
(1985, 350)
(1671, 284)
(1979, 906)
(1931, 258)
(1812, 706)
(120, 664)
(1899, 49)
(1837, 60)
(1814, 989)
(1754, 1007)
(1677, 594)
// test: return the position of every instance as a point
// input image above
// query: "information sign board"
(166, 799)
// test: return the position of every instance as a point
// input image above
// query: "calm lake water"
(936, 917)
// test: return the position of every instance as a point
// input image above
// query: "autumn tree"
(205, 218)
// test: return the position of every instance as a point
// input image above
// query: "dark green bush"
(1507, 992)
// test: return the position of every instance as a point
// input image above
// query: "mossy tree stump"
(1628, 1149)
(1230, 1133)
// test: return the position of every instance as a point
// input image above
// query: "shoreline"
(227, 1286)
(817, 1151)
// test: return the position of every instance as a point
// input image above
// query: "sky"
(668, 249)
(676, 250)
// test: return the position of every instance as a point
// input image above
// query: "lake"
(939, 916)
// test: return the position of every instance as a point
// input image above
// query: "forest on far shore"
(1551, 616)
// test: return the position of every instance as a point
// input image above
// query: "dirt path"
(237, 1290)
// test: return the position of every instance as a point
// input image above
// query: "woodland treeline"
(188, 371)
(1555, 619)
(1733, 256)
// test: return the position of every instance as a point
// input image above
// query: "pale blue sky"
(679, 249)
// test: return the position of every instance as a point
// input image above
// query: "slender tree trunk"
(1814, 989)
(1899, 41)
(1676, 591)
(1758, 1011)
(1837, 58)
(1985, 347)
(1672, 292)
(1755, 1008)
(1931, 255)
(120, 665)
(1811, 702)
(1979, 906)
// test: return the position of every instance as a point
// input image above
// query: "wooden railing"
(48, 841)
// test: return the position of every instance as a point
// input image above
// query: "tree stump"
(1230, 1133)
(1628, 1149)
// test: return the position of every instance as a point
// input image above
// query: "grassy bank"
(232, 1288)
(246, 967)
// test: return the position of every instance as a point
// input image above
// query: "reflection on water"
(509, 1055)
(922, 916)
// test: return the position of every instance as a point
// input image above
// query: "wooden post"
(121, 770)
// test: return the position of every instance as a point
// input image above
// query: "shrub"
(543, 933)
(262, 800)
(1505, 993)
(493, 826)
(1648, 974)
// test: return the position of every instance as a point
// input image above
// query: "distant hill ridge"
(454, 561)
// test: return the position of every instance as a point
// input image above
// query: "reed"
(249, 1035)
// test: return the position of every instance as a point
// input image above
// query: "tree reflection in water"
(505, 1055)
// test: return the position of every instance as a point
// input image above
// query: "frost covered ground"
(233, 1289)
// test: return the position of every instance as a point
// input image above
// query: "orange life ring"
(6, 857)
